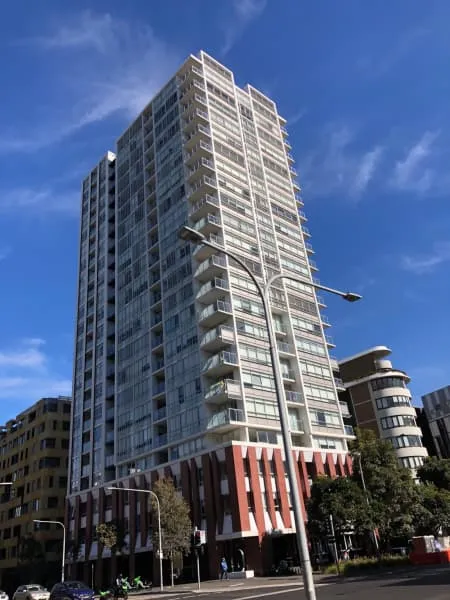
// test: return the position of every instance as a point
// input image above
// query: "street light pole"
(189, 234)
(363, 481)
(64, 541)
(158, 509)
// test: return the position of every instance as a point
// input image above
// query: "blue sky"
(365, 88)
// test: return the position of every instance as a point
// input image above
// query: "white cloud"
(40, 201)
(336, 166)
(296, 117)
(27, 374)
(366, 170)
(111, 67)
(412, 173)
(427, 263)
(244, 11)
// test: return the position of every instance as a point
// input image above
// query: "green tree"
(176, 525)
(112, 536)
(341, 497)
(434, 517)
(394, 498)
(436, 471)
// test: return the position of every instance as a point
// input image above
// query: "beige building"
(34, 450)
(380, 400)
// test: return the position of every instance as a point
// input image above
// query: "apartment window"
(52, 502)
(48, 443)
(406, 441)
(321, 418)
(412, 462)
(390, 401)
(398, 421)
(62, 482)
(50, 406)
(387, 382)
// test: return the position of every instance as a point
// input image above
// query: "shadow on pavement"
(418, 579)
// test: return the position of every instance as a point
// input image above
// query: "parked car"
(31, 591)
(3, 595)
(71, 590)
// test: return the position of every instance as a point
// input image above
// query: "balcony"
(209, 224)
(302, 216)
(228, 389)
(158, 367)
(160, 413)
(204, 185)
(280, 329)
(192, 118)
(211, 267)
(285, 349)
(160, 440)
(157, 344)
(325, 321)
(288, 375)
(309, 248)
(192, 88)
(349, 431)
(320, 300)
(212, 290)
(204, 166)
(214, 314)
(305, 231)
(344, 409)
(156, 322)
(217, 338)
(296, 424)
(226, 420)
(197, 134)
(339, 383)
(159, 389)
(203, 206)
(313, 265)
(220, 364)
(200, 150)
(294, 397)
(203, 251)
(330, 342)
(109, 437)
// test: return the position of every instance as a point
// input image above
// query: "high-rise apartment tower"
(172, 370)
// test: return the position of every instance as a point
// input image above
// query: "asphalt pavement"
(416, 584)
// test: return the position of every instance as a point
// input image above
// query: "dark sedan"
(71, 590)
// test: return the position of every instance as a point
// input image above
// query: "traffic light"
(198, 538)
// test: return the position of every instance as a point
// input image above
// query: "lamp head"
(352, 297)
(191, 235)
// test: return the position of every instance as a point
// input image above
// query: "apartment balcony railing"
(220, 364)
(215, 313)
(210, 267)
(296, 424)
(202, 186)
(294, 397)
(160, 440)
(217, 338)
(203, 206)
(208, 224)
(202, 252)
(203, 166)
(349, 430)
(212, 290)
(226, 419)
(288, 374)
(284, 348)
(227, 389)
(344, 409)
(200, 149)
(160, 413)
(159, 389)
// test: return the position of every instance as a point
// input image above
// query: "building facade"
(437, 410)
(34, 450)
(172, 367)
(380, 400)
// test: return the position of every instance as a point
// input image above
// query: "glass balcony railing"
(222, 358)
(294, 397)
(226, 417)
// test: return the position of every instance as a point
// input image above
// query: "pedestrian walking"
(223, 569)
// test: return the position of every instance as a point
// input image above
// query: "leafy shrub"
(364, 564)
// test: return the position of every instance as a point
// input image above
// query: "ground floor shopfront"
(238, 494)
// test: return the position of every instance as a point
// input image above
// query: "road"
(429, 584)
